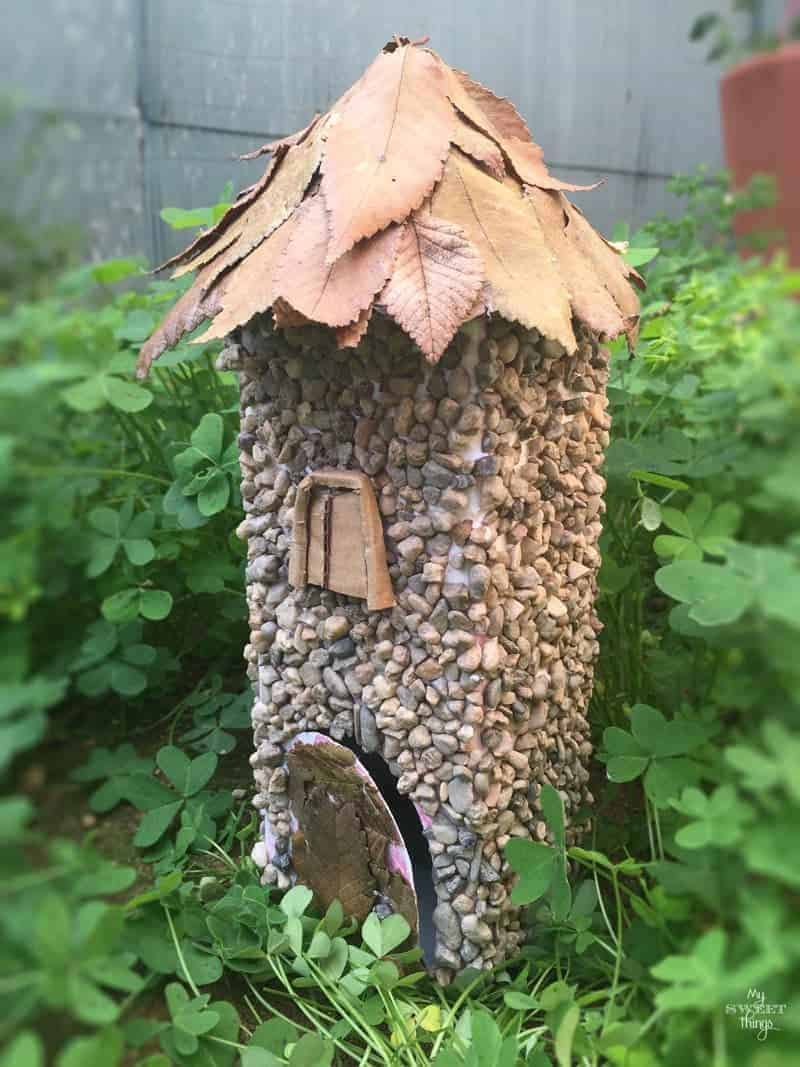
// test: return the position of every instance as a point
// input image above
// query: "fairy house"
(416, 312)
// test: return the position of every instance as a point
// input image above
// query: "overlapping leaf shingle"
(420, 194)
(436, 279)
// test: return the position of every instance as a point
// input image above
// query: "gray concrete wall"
(161, 95)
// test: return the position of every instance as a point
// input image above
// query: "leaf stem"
(181, 959)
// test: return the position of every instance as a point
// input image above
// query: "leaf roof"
(420, 194)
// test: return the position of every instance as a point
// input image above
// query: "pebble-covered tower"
(416, 313)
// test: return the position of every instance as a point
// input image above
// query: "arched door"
(346, 844)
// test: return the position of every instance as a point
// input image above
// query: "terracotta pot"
(760, 102)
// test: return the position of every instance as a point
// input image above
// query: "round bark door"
(346, 844)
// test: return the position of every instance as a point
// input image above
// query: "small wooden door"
(338, 538)
(336, 559)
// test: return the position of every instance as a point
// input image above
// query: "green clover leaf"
(542, 868)
(655, 747)
(128, 604)
(120, 530)
(207, 468)
(717, 819)
(699, 530)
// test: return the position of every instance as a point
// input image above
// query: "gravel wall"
(474, 686)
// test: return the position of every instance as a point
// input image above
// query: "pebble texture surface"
(474, 687)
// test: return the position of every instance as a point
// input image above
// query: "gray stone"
(479, 579)
(370, 735)
(463, 904)
(437, 475)
(411, 548)
(287, 614)
(448, 925)
(335, 627)
(556, 608)
(335, 684)
(444, 830)
(475, 930)
(445, 957)
(447, 744)
(419, 737)
(460, 794)
(469, 951)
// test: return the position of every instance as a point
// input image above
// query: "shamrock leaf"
(114, 658)
(75, 957)
(120, 530)
(207, 468)
(185, 511)
(128, 604)
(534, 862)
(772, 849)
(117, 765)
(103, 1049)
(22, 713)
(100, 389)
(162, 805)
(655, 748)
(699, 530)
(383, 936)
(703, 979)
(716, 594)
(543, 868)
(15, 814)
(718, 819)
(195, 1023)
(270, 1038)
(777, 766)
(188, 776)
(764, 578)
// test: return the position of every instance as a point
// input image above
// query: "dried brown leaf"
(479, 147)
(591, 301)
(498, 118)
(186, 314)
(223, 233)
(501, 113)
(330, 854)
(265, 211)
(337, 294)
(283, 142)
(609, 266)
(349, 336)
(386, 147)
(249, 287)
(524, 283)
(436, 279)
(285, 315)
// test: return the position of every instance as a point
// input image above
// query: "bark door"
(334, 559)
(338, 538)
(346, 844)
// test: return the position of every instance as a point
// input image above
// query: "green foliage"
(207, 469)
(731, 45)
(656, 748)
(121, 588)
(180, 219)
(542, 868)
(699, 530)
(64, 953)
(117, 564)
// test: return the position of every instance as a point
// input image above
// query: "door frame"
(379, 585)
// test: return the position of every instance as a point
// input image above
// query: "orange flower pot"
(760, 104)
